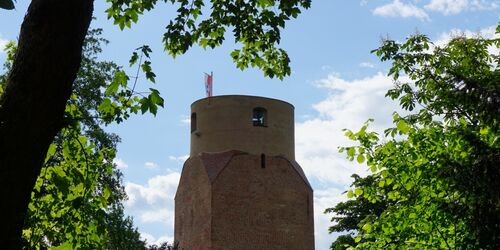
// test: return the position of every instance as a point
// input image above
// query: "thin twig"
(136, 76)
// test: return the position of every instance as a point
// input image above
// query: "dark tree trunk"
(32, 107)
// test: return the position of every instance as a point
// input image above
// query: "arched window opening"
(193, 122)
(259, 117)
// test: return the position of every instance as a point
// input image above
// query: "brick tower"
(241, 187)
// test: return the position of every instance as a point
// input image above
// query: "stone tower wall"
(225, 123)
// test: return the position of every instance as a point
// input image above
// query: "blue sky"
(336, 83)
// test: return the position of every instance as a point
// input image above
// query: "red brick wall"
(250, 207)
(192, 207)
(261, 208)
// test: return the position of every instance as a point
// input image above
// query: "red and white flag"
(208, 84)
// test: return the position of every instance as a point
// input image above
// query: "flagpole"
(209, 85)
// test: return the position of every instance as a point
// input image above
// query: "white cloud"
(445, 37)
(324, 199)
(326, 67)
(151, 240)
(447, 7)
(153, 205)
(120, 164)
(185, 120)
(349, 105)
(151, 165)
(160, 190)
(181, 158)
(367, 65)
(488, 33)
(3, 43)
(453, 7)
(353, 102)
(399, 9)
(160, 215)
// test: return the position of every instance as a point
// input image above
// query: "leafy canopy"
(255, 24)
(436, 173)
(76, 201)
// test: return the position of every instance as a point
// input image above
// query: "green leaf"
(51, 151)
(112, 88)
(150, 76)
(64, 246)
(403, 126)
(145, 49)
(7, 4)
(79, 188)
(390, 195)
(145, 105)
(350, 194)
(358, 191)
(107, 192)
(105, 106)
(155, 97)
(133, 58)
(153, 108)
(381, 183)
(367, 227)
(361, 159)
(351, 151)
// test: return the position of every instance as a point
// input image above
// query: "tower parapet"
(256, 125)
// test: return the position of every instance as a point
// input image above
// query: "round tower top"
(252, 124)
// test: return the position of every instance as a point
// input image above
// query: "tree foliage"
(256, 24)
(121, 232)
(348, 215)
(438, 170)
(343, 242)
(163, 246)
(77, 197)
(7, 4)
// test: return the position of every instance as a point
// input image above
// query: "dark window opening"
(259, 117)
(193, 122)
(263, 161)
